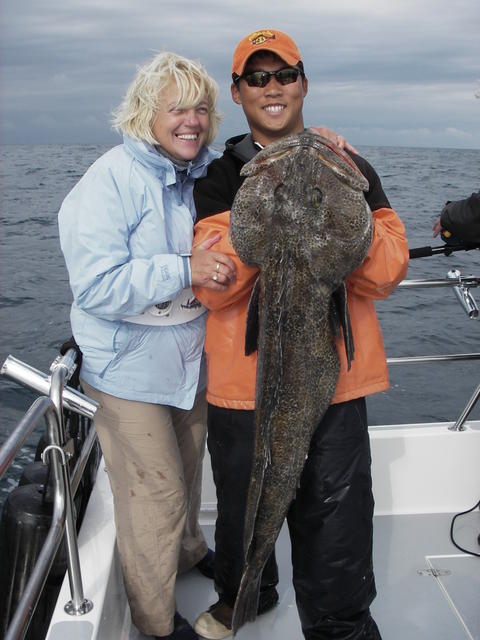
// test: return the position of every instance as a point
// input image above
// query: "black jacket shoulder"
(375, 196)
(216, 191)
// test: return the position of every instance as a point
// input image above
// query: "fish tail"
(246, 604)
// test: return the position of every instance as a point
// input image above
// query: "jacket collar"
(162, 166)
(243, 147)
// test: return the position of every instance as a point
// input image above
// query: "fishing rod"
(461, 285)
(449, 247)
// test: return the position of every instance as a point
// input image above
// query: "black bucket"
(36, 473)
(24, 525)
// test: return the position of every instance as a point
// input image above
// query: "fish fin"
(334, 317)
(252, 328)
(246, 604)
(340, 317)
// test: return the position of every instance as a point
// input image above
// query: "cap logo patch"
(259, 37)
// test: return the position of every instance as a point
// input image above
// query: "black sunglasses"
(288, 75)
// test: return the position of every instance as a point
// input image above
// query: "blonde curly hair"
(136, 114)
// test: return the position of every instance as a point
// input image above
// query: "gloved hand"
(72, 344)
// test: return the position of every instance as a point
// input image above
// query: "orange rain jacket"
(231, 375)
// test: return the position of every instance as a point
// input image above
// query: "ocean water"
(35, 296)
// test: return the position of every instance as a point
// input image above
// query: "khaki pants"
(153, 455)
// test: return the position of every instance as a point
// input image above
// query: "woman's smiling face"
(180, 131)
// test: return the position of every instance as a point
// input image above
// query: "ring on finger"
(217, 266)
(215, 277)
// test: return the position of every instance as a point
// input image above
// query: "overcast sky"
(382, 72)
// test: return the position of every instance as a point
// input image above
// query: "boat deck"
(427, 589)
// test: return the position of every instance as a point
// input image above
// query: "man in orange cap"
(330, 520)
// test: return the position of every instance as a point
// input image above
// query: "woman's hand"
(211, 269)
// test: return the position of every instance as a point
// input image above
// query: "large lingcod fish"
(302, 218)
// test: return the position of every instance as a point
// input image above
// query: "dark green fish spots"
(302, 218)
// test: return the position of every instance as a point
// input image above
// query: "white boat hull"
(421, 473)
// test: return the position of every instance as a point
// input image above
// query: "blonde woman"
(126, 232)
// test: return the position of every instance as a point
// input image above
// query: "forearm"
(245, 275)
(386, 263)
(128, 289)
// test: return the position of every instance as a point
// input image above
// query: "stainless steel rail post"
(78, 605)
(458, 426)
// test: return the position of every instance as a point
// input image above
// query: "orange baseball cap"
(264, 40)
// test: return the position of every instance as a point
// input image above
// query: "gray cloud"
(403, 72)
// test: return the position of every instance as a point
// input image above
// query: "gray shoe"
(216, 623)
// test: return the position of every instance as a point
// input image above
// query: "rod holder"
(463, 295)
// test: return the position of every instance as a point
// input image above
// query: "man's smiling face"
(275, 110)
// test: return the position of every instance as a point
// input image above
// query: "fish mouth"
(334, 159)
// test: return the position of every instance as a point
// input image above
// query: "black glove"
(72, 344)
(461, 220)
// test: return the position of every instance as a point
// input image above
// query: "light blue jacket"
(122, 230)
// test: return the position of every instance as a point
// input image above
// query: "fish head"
(303, 196)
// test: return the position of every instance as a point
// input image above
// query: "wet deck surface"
(427, 588)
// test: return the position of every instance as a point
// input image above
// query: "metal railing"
(50, 407)
(461, 286)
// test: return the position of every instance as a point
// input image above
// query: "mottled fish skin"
(302, 218)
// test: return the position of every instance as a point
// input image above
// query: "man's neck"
(265, 138)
